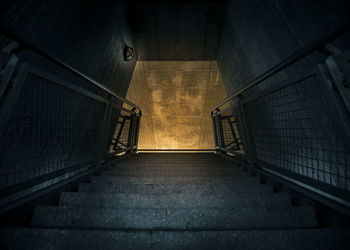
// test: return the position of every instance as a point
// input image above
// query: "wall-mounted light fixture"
(128, 53)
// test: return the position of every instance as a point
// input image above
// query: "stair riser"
(58, 239)
(174, 219)
(238, 180)
(131, 165)
(175, 189)
(172, 201)
(178, 162)
(169, 173)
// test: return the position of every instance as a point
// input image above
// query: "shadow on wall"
(176, 97)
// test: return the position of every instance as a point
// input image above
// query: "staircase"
(174, 201)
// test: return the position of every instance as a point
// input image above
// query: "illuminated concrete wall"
(176, 97)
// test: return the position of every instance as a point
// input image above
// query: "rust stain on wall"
(176, 97)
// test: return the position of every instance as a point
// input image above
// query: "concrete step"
(105, 200)
(170, 160)
(175, 180)
(177, 156)
(174, 165)
(167, 160)
(70, 239)
(193, 189)
(163, 172)
(174, 219)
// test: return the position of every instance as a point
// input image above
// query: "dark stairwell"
(72, 174)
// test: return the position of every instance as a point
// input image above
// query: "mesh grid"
(51, 128)
(294, 128)
(230, 135)
(113, 128)
(121, 132)
(125, 134)
(229, 131)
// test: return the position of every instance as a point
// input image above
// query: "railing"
(293, 121)
(55, 127)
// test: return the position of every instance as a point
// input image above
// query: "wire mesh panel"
(121, 135)
(231, 139)
(226, 131)
(295, 124)
(51, 128)
(294, 128)
(56, 124)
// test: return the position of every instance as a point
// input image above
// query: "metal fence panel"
(295, 128)
(50, 128)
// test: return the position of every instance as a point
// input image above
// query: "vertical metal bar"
(107, 136)
(233, 132)
(119, 133)
(246, 137)
(218, 131)
(105, 125)
(137, 129)
(131, 132)
(134, 120)
(215, 132)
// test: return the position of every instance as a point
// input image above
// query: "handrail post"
(216, 143)
(104, 132)
(137, 130)
(246, 136)
(218, 130)
(130, 143)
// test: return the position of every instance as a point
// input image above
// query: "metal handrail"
(305, 51)
(14, 36)
(251, 135)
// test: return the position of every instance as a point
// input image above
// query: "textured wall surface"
(177, 31)
(259, 34)
(176, 98)
(88, 35)
(57, 130)
(294, 129)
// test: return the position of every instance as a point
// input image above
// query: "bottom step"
(54, 239)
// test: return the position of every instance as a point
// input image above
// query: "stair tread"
(175, 219)
(172, 180)
(194, 166)
(196, 162)
(176, 168)
(173, 188)
(174, 172)
(173, 200)
(40, 239)
(176, 156)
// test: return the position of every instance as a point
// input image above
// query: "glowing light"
(176, 98)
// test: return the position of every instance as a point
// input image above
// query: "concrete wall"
(88, 35)
(176, 32)
(295, 129)
(52, 130)
(259, 34)
(176, 98)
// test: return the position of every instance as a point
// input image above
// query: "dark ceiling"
(176, 32)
